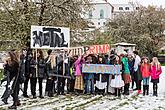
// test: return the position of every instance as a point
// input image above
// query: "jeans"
(89, 85)
(145, 81)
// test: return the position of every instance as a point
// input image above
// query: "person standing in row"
(137, 73)
(50, 71)
(155, 74)
(126, 74)
(33, 78)
(79, 83)
(27, 57)
(12, 66)
(41, 71)
(145, 70)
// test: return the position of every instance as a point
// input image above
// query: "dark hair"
(13, 57)
(41, 54)
(49, 52)
(135, 52)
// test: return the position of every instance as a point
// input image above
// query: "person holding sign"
(51, 69)
(79, 84)
(101, 79)
(89, 78)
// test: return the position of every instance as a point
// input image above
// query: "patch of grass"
(55, 109)
(134, 97)
(163, 64)
(1, 74)
(122, 104)
(68, 108)
(2, 109)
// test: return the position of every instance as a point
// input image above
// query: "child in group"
(145, 67)
(126, 73)
(117, 83)
(155, 73)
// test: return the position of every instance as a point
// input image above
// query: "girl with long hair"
(145, 67)
(155, 74)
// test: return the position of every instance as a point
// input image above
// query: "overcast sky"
(142, 2)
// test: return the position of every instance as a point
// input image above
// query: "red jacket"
(145, 70)
(155, 72)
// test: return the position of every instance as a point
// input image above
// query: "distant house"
(124, 8)
(99, 14)
(127, 47)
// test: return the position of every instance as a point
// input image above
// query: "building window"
(101, 14)
(98, 23)
(137, 8)
(120, 8)
(90, 14)
(126, 8)
(104, 23)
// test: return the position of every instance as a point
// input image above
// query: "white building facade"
(124, 8)
(99, 14)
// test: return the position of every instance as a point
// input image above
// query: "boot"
(115, 92)
(18, 103)
(147, 88)
(119, 93)
(139, 91)
(4, 101)
(13, 107)
(25, 95)
(41, 96)
(144, 90)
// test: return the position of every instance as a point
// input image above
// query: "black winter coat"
(41, 68)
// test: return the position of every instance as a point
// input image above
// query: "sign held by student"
(48, 37)
(101, 68)
(96, 49)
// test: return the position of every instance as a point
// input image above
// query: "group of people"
(62, 71)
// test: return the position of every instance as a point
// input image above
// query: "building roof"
(100, 2)
(124, 44)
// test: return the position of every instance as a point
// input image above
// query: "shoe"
(144, 90)
(135, 89)
(18, 103)
(139, 91)
(34, 97)
(4, 101)
(25, 95)
(12, 107)
(147, 89)
(41, 97)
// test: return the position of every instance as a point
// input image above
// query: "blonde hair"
(157, 63)
(52, 61)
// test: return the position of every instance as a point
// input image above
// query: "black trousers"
(60, 85)
(70, 85)
(33, 82)
(15, 88)
(26, 85)
(139, 85)
(49, 87)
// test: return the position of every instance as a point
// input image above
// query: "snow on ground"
(95, 102)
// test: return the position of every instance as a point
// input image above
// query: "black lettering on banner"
(52, 37)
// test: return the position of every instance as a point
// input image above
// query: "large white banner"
(48, 37)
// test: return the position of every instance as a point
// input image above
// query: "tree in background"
(145, 27)
(17, 16)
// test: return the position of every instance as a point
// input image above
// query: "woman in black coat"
(41, 70)
(12, 66)
(40, 64)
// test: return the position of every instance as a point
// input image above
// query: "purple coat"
(78, 65)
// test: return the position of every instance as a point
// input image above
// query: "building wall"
(96, 10)
(124, 8)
